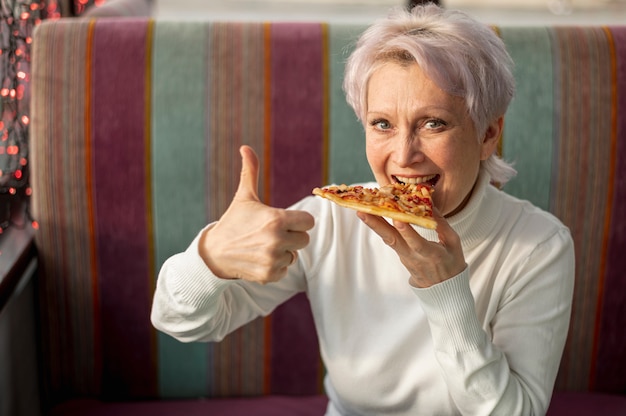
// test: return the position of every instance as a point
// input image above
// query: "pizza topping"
(409, 202)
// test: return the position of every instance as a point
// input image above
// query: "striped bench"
(134, 136)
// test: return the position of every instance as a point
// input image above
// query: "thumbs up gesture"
(253, 241)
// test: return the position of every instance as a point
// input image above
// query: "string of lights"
(18, 20)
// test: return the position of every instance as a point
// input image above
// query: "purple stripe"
(297, 111)
(611, 357)
(297, 142)
(121, 206)
(295, 360)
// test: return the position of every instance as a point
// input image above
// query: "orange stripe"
(90, 200)
(609, 204)
(267, 37)
(147, 144)
(148, 191)
(325, 143)
(325, 103)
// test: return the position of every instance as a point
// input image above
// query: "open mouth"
(428, 180)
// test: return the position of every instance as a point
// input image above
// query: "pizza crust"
(425, 222)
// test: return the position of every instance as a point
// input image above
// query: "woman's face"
(415, 132)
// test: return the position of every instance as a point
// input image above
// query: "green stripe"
(178, 128)
(528, 129)
(347, 160)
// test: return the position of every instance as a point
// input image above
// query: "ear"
(490, 141)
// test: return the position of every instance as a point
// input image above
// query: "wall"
(19, 382)
(501, 12)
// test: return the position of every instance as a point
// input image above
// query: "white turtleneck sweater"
(486, 342)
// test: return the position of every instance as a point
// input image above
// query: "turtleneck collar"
(475, 221)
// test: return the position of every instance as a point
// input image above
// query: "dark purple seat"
(587, 404)
(263, 406)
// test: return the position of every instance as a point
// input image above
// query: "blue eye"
(434, 124)
(381, 124)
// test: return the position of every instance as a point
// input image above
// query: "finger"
(249, 180)
(295, 240)
(298, 220)
(386, 231)
(447, 236)
(287, 260)
(293, 257)
(411, 237)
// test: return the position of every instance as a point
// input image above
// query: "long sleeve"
(486, 342)
(192, 304)
(509, 367)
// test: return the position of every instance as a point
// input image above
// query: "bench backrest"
(134, 136)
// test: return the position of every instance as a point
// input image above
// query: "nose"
(408, 151)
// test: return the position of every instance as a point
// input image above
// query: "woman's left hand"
(428, 262)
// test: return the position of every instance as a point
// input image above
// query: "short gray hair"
(463, 57)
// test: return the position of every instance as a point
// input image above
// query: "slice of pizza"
(411, 203)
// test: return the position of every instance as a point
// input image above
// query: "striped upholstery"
(135, 131)
(566, 134)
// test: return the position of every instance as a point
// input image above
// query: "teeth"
(421, 179)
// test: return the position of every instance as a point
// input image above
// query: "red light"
(12, 150)
(35, 225)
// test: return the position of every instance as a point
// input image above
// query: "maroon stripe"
(120, 207)
(611, 357)
(297, 111)
(297, 134)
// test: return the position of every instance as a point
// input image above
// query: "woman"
(469, 319)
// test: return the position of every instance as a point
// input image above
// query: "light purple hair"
(463, 57)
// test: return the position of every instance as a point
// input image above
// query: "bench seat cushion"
(586, 404)
(259, 406)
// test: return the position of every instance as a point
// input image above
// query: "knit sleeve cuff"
(196, 284)
(451, 312)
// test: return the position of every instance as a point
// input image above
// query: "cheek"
(375, 157)
(460, 167)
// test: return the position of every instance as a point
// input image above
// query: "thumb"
(249, 180)
(447, 236)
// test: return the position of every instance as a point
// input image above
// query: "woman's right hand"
(253, 241)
